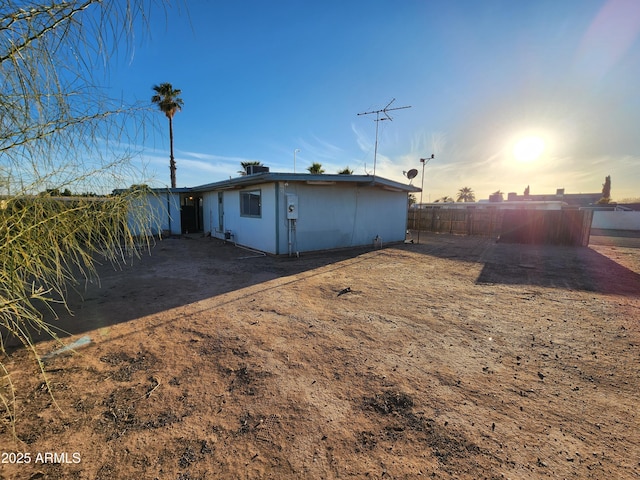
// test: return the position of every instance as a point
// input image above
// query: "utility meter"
(292, 206)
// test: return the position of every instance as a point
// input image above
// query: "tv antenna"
(384, 111)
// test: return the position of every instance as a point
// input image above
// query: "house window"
(250, 203)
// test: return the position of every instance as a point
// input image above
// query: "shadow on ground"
(175, 272)
(572, 268)
(180, 271)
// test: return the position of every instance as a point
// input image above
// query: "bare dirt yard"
(459, 358)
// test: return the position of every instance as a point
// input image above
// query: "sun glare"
(528, 149)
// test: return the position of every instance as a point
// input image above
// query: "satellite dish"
(411, 174)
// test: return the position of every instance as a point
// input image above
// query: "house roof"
(311, 179)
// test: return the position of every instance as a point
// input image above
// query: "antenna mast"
(377, 120)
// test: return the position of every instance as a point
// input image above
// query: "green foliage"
(345, 171)
(465, 194)
(58, 133)
(167, 99)
(315, 168)
(47, 245)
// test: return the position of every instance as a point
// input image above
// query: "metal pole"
(422, 183)
(375, 151)
(294, 159)
(424, 161)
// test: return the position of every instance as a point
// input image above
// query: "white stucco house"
(289, 213)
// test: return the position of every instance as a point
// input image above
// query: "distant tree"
(412, 199)
(445, 199)
(606, 190)
(140, 187)
(169, 102)
(606, 187)
(496, 196)
(244, 166)
(56, 192)
(345, 171)
(315, 168)
(465, 194)
(526, 191)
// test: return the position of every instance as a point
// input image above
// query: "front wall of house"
(256, 232)
(329, 216)
(339, 216)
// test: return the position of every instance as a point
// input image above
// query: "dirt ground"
(459, 358)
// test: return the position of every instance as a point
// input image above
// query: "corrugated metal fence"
(550, 227)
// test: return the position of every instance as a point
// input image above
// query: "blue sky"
(262, 79)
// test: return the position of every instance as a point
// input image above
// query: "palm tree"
(169, 102)
(244, 166)
(345, 171)
(315, 168)
(465, 194)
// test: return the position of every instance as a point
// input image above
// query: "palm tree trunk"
(172, 162)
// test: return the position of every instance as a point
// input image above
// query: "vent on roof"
(252, 169)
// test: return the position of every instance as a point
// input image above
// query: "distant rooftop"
(571, 199)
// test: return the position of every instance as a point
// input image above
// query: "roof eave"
(318, 179)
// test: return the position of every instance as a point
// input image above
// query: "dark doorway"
(191, 214)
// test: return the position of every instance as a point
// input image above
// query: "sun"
(528, 149)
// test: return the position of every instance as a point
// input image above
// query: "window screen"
(250, 204)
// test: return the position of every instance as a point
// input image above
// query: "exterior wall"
(339, 216)
(257, 233)
(210, 214)
(612, 220)
(330, 216)
(171, 220)
(155, 213)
